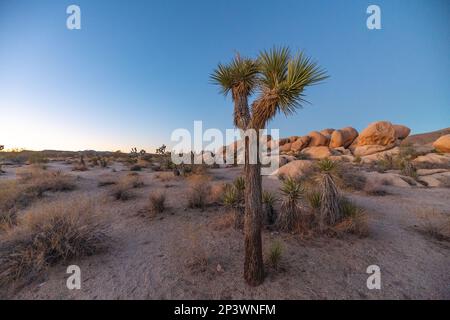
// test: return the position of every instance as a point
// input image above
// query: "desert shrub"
(354, 219)
(387, 162)
(216, 192)
(195, 253)
(30, 185)
(275, 254)
(292, 192)
(135, 167)
(37, 158)
(239, 184)
(157, 202)
(269, 213)
(165, 176)
(106, 182)
(351, 180)
(49, 234)
(357, 159)
(198, 191)
(133, 181)
(408, 169)
(224, 220)
(434, 224)
(122, 191)
(375, 189)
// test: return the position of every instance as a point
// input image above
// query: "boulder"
(401, 132)
(442, 144)
(433, 158)
(295, 169)
(286, 147)
(283, 141)
(327, 132)
(389, 179)
(438, 180)
(343, 137)
(343, 151)
(300, 143)
(317, 152)
(361, 151)
(317, 139)
(377, 156)
(381, 133)
(293, 139)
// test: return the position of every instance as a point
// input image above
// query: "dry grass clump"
(195, 252)
(49, 234)
(157, 202)
(349, 179)
(31, 184)
(106, 182)
(217, 191)
(354, 219)
(122, 191)
(165, 176)
(224, 220)
(435, 225)
(375, 189)
(198, 192)
(274, 255)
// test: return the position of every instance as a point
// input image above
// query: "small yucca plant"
(330, 212)
(239, 184)
(269, 200)
(292, 192)
(233, 199)
(327, 165)
(275, 254)
(313, 198)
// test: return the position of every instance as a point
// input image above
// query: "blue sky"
(137, 70)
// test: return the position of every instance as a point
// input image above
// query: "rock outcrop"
(317, 152)
(300, 144)
(401, 132)
(380, 133)
(295, 169)
(443, 144)
(317, 139)
(343, 137)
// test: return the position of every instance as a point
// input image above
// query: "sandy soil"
(147, 258)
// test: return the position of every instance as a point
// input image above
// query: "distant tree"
(161, 150)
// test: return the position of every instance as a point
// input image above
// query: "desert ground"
(186, 251)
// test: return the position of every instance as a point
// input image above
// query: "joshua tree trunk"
(253, 265)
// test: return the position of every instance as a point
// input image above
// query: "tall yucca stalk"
(330, 211)
(279, 80)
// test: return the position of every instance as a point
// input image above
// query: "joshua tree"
(279, 80)
(161, 150)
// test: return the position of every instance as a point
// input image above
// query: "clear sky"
(137, 70)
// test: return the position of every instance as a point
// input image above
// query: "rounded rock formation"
(317, 152)
(401, 132)
(380, 133)
(343, 137)
(443, 144)
(317, 139)
(300, 143)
